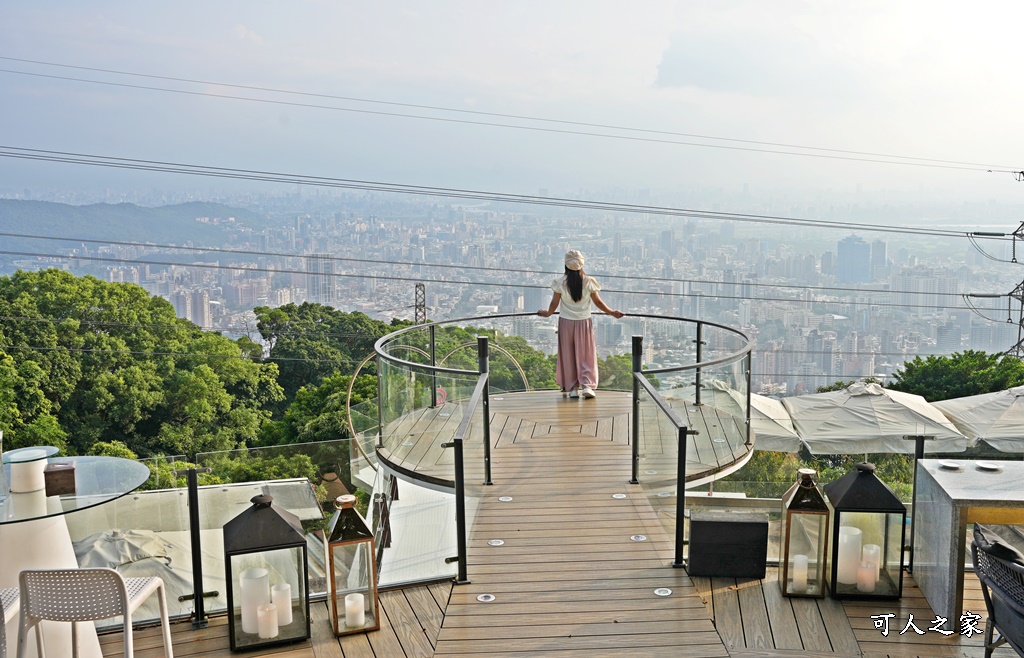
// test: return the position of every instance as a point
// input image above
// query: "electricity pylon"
(1017, 294)
(421, 304)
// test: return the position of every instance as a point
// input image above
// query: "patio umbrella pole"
(918, 454)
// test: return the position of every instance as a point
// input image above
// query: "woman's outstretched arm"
(604, 307)
(552, 307)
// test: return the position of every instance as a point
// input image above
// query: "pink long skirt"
(577, 354)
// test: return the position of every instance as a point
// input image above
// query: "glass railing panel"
(412, 345)
(363, 427)
(521, 350)
(416, 526)
(301, 478)
(657, 444)
(414, 530)
(141, 535)
(414, 430)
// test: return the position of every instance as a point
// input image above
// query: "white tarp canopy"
(995, 418)
(770, 422)
(870, 418)
(773, 427)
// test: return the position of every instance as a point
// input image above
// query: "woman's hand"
(617, 314)
(544, 313)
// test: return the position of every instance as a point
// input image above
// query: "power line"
(134, 325)
(48, 320)
(503, 270)
(31, 348)
(484, 113)
(422, 190)
(347, 361)
(495, 284)
(562, 131)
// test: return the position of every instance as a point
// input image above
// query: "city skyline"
(811, 328)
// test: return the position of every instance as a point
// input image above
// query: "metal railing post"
(460, 511)
(680, 499)
(380, 404)
(483, 356)
(750, 396)
(700, 358)
(433, 373)
(198, 595)
(638, 352)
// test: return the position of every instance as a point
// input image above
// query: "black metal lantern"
(267, 577)
(355, 606)
(868, 533)
(805, 516)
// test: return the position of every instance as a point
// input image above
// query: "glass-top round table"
(34, 534)
(98, 480)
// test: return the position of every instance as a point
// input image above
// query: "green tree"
(310, 341)
(840, 385)
(958, 375)
(103, 362)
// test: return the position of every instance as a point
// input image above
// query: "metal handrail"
(658, 400)
(381, 342)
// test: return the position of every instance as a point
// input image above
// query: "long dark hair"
(574, 282)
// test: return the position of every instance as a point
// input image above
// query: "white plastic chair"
(9, 603)
(76, 595)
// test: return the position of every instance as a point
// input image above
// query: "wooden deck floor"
(717, 443)
(568, 578)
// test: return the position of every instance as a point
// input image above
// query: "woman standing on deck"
(577, 351)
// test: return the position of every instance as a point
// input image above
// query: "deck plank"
(727, 612)
(785, 633)
(757, 632)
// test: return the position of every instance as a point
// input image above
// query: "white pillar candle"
(281, 596)
(27, 472)
(799, 574)
(255, 589)
(867, 574)
(848, 556)
(355, 610)
(266, 619)
(873, 554)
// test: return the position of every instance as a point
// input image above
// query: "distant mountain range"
(174, 224)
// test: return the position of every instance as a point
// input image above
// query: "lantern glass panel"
(867, 538)
(869, 555)
(354, 592)
(804, 539)
(805, 553)
(263, 579)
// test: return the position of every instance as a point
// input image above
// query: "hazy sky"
(926, 79)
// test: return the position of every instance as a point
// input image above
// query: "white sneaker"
(588, 392)
(574, 393)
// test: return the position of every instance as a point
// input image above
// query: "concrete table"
(34, 534)
(952, 493)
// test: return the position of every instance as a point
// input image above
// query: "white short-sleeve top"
(569, 308)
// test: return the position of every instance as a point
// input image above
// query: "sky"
(608, 96)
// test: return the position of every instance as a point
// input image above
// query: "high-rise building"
(879, 260)
(923, 289)
(947, 338)
(853, 260)
(320, 279)
(201, 309)
(668, 242)
(182, 302)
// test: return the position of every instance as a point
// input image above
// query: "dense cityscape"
(822, 304)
